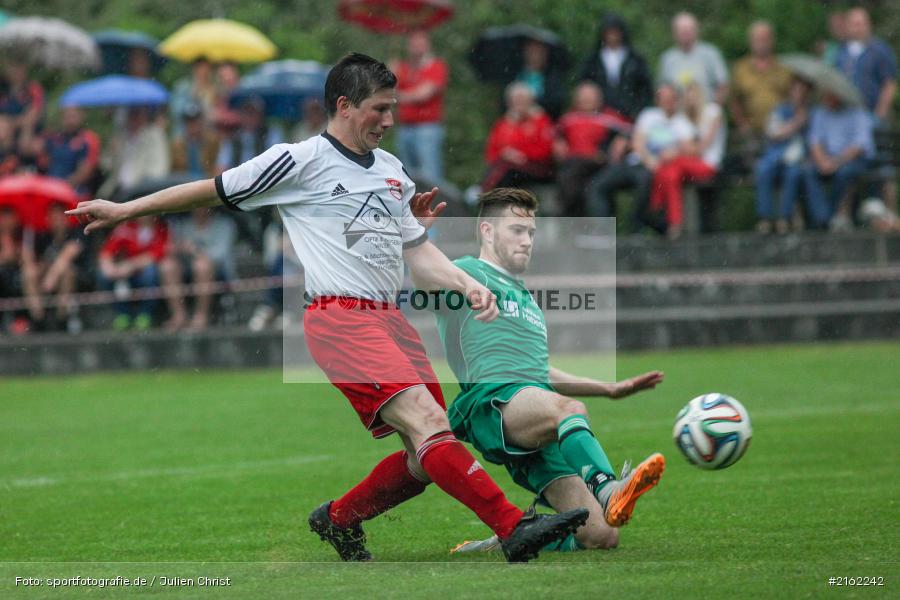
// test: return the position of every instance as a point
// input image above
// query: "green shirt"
(510, 349)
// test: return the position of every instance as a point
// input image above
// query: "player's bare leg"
(568, 492)
(535, 417)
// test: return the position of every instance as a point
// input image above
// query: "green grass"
(214, 474)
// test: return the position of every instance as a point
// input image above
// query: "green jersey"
(510, 349)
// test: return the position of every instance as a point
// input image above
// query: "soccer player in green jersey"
(514, 407)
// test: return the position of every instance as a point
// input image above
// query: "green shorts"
(475, 417)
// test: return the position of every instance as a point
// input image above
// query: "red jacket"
(129, 240)
(532, 136)
(586, 132)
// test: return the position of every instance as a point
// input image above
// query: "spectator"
(692, 60)
(10, 160)
(837, 29)
(421, 84)
(661, 133)
(783, 158)
(20, 98)
(197, 148)
(545, 81)
(72, 153)
(759, 84)
(227, 78)
(840, 144)
(200, 89)
(688, 162)
(203, 250)
(585, 136)
(252, 138)
(140, 152)
(313, 122)
(621, 73)
(51, 262)
(870, 64)
(140, 63)
(520, 145)
(129, 259)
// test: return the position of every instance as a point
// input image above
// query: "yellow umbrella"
(218, 40)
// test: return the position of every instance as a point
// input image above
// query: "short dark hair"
(493, 203)
(357, 77)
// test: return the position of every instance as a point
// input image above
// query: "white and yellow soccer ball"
(713, 431)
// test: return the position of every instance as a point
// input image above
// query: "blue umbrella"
(283, 85)
(115, 90)
(117, 45)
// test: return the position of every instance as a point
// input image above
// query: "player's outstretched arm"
(431, 270)
(574, 385)
(100, 214)
(422, 210)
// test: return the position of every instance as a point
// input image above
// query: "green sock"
(584, 453)
(568, 544)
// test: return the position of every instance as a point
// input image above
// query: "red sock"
(456, 471)
(389, 484)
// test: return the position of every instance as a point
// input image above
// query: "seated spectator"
(140, 152)
(621, 73)
(51, 262)
(202, 250)
(72, 153)
(10, 160)
(783, 159)
(545, 81)
(197, 148)
(695, 162)
(421, 85)
(313, 122)
(661, 133)
(129, 259)
(21, 99)
(520, 145)
(870, 64)
(840, 145)
(759, 84)
(584, 139)
(691, 60)
(253, 137)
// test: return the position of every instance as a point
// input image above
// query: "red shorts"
(370, 352)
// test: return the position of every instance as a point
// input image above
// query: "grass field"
(214, 473)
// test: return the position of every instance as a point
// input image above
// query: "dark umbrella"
(396, 16)
(283, 85)
(115, 90)
(151, 186)
(498, 52)
(116, 47)
(31, 196)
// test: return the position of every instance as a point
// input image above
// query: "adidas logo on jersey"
(340, 190)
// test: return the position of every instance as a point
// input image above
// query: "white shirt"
(347, 216)
(661, 131)
(612, 62)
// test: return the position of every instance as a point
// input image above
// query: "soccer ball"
(712, 431)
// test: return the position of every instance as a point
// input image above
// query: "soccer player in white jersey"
(345, 204)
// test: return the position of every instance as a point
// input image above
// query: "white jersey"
(348, 216)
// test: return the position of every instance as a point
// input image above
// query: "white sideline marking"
(219, 470)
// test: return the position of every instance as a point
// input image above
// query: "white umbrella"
(49, 43)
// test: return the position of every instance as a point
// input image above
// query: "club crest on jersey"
(395, 188)
(372, 217)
